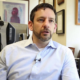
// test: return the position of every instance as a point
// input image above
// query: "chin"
(45, 39)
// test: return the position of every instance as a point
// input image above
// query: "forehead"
(47, 12)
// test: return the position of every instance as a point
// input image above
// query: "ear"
(55, 27)
(30, 25)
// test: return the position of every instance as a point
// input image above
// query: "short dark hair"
(43, 5)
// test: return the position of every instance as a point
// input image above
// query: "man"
(38, 58)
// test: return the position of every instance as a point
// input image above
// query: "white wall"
(33, 3)
(72, 30)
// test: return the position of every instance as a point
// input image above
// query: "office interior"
(70, 37)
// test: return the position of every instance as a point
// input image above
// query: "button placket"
(35, 67)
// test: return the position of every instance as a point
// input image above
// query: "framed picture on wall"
(41, 1)
(77, 14)
(14, 12)
(60, 2)
(50, 2)
(60, 22)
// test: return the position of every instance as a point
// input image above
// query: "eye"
(41, 20)
(51, 20)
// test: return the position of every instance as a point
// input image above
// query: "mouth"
(45, 32)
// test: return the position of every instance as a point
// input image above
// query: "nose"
(46, 23)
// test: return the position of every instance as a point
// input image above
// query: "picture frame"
(54, 4)
(72, 49)
(77, 12)
(25, 11)
(60, 22)
(60, 2)
(41, 1)
(50, 2)
(8, 9)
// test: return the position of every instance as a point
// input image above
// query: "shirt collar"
(30, 42)
(51, 44)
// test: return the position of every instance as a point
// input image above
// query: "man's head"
(43, 22)
(44, 6)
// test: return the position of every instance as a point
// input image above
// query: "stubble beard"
(43, 38)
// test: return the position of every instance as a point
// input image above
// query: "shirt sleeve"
(69, 71)
(3, 68)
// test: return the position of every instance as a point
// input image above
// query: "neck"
(39, 43)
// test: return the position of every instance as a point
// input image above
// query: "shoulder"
(63, 52)
(19, 43)
(22, 43)
(62, 48)
(16, 45)
(58, 45)
(13, 48)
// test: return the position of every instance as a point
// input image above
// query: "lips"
(45, 32)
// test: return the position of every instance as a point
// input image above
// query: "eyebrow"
(45, 17)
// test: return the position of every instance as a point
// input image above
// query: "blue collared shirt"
(17, 62)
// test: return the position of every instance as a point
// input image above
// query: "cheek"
(51, 28)
(37, 27)
(51, 31)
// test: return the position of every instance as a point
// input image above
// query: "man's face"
(43, 25)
